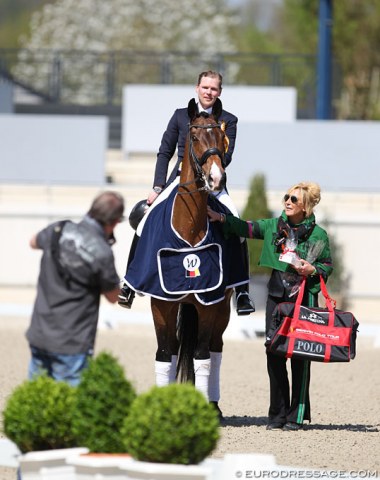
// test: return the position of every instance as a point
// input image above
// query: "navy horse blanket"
(167, 267)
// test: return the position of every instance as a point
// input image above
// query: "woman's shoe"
(275, 426)
(292, 426)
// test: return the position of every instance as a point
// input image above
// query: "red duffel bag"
(312, 333)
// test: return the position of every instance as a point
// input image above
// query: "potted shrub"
(102, 401)
(38, 415)
(38, 418)
(46, 419)
(170, 425)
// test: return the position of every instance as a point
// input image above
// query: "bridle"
(199, 162)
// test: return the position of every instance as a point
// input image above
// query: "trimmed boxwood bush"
(173, 424)
(37, 415)
(103, 398)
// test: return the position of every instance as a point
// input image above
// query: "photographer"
(77, 266)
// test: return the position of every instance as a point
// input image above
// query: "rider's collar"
(201, 109)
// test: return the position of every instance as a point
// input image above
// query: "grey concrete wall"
(6, 97)
(147, 109)
(49, 149)
(339, 155)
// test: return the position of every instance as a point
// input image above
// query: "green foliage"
(103, 399)
(255, 209)
(355, 30)
(173, 424)
(15, 18)
(37, 415)
(338, 280)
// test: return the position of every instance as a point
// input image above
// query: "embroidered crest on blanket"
(165, 266)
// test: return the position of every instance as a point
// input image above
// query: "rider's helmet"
(137, 213)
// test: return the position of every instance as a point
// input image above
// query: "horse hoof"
(218, 410)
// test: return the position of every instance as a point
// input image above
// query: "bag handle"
(330, 303)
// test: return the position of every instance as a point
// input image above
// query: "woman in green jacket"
(294, 247)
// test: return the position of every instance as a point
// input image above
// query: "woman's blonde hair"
(311, 195)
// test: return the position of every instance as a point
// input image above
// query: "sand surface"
(345, 398)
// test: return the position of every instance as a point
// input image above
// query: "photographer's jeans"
(65, 368)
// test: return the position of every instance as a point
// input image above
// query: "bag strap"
(298, 303)
(329, 301)
(54, 248)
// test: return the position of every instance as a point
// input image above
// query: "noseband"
(199, 162)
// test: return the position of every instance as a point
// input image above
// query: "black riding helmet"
(137, 213)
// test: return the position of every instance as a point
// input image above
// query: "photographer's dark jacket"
(65, 314)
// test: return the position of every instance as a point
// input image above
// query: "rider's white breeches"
(224, 198)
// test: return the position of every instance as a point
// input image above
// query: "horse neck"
(190, 207)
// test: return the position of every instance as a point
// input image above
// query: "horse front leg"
(165, 317)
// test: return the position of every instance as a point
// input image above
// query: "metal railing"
(94, 78)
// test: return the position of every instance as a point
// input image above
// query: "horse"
(189, 333)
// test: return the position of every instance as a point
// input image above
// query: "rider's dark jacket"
(176, 133)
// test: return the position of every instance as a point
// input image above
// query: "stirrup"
(126, 297)
(244, 305)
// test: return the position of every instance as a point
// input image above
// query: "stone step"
(134, 170)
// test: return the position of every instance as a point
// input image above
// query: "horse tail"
(187, 332)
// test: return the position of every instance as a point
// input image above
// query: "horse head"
(207, 144)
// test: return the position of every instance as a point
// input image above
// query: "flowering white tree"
(78, 32)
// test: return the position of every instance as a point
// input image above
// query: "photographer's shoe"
(244, 305)
(126, 297)
(218, 410)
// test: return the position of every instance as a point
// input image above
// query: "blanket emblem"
(191, 264)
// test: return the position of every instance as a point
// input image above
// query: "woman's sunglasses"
(293, 198)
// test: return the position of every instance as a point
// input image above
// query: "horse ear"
(217, 108)
(192, 109)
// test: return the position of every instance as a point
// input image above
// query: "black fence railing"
(94, 78)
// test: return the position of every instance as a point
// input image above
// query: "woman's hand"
(305, 268)
(215, 216)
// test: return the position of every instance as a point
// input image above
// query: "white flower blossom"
(80, 30)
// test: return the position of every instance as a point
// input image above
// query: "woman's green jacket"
(267, 229)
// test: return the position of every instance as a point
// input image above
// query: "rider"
(208, 89)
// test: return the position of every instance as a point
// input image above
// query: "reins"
(199, 175)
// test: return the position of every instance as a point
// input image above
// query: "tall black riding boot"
(127, 295)
(244, 304)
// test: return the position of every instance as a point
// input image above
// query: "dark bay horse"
(189, 333)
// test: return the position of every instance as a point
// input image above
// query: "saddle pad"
(190, 270)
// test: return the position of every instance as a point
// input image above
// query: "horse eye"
(194, 138)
